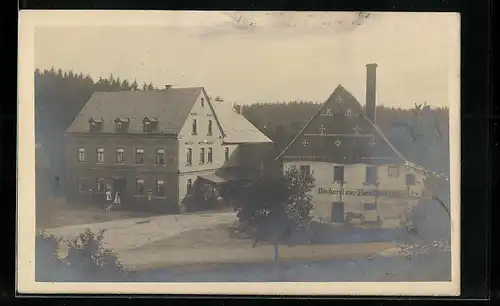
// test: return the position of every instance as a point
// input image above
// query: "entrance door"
(120, 186)
(338, 214)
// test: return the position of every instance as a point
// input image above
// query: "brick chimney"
(371, 91)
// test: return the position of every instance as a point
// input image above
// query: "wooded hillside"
(420, 134)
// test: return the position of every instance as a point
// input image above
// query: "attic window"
(122, 124)
(95, 125)
(149, 125)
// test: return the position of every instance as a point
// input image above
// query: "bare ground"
(55, 212)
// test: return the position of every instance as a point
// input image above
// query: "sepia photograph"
(218, 152)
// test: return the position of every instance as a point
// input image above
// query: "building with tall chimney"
(359, 175)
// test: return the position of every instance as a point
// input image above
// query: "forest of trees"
(419, 133)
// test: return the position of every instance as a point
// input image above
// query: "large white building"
(359, 174)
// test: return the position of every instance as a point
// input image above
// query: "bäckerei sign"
(364, 193)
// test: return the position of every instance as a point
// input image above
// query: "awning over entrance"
(223, 177)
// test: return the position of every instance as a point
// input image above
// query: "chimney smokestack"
(168, 86)
(371, 91)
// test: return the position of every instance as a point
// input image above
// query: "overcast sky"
(258, 57)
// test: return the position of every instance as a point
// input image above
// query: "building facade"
(157, 149)
(359, 175)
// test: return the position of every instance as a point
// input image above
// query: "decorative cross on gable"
(322, 129)
(339, 99)
(328, 111)
(348, 112)
(337, 143)
(373, 143)
(357, 129)
(305, 143)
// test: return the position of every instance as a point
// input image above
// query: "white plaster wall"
(389, 209)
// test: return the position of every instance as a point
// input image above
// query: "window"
(189, 184)
(81, 184)
(100, 155)
(393, 171)
(371, 175)
(202, 155)
(189, 156)
(209, 157)
(160, 188)
(370, 206)
(149, 125)
(410, 179)
(99, 188)
(226, 154)
(202, 102)
(121, 124)
(95, 126)
(338, 174)
(139, 156)
(139, 186)
(305, 170)
(160, 157)
(209, 127)
(120, 155)
(194, 127)
(81, 154)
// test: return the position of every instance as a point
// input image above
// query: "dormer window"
(122, 124)
(95, 125)
(149, 125)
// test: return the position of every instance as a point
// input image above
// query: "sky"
(248, 57)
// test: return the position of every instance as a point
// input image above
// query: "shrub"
(87, 259)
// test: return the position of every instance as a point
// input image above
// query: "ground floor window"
(160, 188)
(81, 184)
(99, 185)
(139, 186)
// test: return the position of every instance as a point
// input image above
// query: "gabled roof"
(236, 127)
(170, 107)
(340, 132)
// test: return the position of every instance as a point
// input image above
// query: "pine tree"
(150, 86)
(125, 85)
(134, 85)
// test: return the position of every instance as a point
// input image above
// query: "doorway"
(119, 185)
(338, 212)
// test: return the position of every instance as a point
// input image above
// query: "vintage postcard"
(191, 152)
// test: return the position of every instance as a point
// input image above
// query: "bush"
(87, 259)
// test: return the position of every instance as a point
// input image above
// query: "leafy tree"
(276, 202)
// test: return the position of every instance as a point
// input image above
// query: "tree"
(125, 85)
(150, 86)
(274, 204)
(134, 85)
